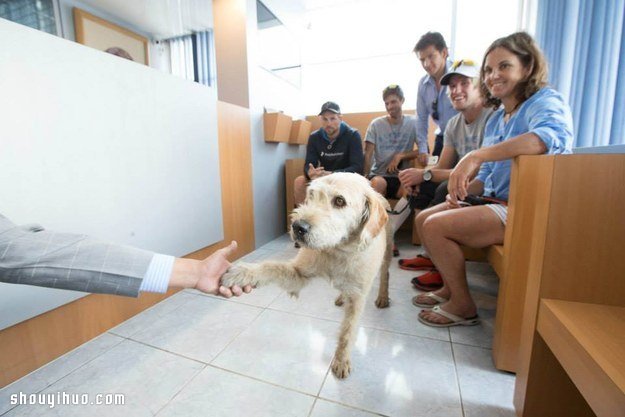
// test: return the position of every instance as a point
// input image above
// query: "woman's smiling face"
(503, 71)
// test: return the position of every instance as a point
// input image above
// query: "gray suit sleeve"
(33, 256)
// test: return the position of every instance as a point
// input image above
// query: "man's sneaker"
(416, 264)
(430, 281)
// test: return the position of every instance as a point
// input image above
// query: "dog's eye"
(338, 201)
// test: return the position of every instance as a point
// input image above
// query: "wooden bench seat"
(579, 361)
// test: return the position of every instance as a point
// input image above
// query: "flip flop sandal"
(419, 263)
(431, 295)
(430, 281)
(455, 320)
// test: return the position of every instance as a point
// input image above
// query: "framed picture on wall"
(101, 34)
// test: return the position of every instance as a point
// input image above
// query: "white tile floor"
(265, 354)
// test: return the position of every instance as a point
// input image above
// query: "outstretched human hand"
(206, 275)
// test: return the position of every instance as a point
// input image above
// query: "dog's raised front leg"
(341, 364)
(283, 274)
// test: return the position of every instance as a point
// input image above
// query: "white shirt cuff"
(157, 276)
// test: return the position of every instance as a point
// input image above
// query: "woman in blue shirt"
(531, 119)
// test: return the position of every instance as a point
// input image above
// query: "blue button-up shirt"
(545, 114)
(426, 96)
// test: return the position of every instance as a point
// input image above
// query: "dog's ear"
(374, 218)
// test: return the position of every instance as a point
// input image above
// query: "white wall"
(268, 90)
(95, 144)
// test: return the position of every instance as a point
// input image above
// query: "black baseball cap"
(330, 106)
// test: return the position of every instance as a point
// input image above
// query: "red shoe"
(429, 281)
(416, 264)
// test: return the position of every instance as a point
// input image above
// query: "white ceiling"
(160, 18)
(169, 18)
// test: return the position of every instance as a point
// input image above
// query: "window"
(37, 14)
(279, 51)
(351, 50)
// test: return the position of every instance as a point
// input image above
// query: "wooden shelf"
(588, 340)
(300, 131)
(277, 127)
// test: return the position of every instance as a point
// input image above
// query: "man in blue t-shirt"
(335, 147)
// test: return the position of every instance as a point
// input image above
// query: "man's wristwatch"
(427, 175)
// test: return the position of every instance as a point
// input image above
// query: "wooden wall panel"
(235, 157)
(230, 26)
(31, 344)
(37, 341)
(293, 168)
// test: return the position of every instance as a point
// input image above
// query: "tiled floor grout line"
(180, 390)
(453, 356)
(375, 413)
(112, 330)
(262, 380)
(312, 407)
(363, 326)
(237, 335)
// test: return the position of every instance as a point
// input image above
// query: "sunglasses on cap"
(456, 64)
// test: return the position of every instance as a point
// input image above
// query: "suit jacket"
(34, 256)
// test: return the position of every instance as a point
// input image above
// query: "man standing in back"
(432, 99)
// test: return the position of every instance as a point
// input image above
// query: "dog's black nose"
(301, 228)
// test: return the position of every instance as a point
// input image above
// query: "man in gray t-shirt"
(463, 134)
(389, 144)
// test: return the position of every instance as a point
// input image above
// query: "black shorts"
(430, 194)
(392, 185)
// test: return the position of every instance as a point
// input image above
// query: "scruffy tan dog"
(346, 237)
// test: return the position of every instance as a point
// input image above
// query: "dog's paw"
(240, 274)
(339, 301)
(341, 368)
(382, 302)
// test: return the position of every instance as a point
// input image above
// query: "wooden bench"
(578, 363)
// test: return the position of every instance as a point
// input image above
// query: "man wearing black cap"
(336, 147)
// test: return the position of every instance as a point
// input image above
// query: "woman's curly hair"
(524, 47)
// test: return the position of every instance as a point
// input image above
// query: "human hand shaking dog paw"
(241, 274)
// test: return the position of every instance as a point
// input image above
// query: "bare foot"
(424, 298)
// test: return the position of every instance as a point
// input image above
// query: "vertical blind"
(584, 41)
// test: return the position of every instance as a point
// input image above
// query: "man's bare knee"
(423, 215)
(299, 189)
(300, 182)
(432, 227)
(379, 184)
